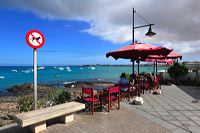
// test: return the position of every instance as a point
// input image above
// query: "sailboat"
(68, 68)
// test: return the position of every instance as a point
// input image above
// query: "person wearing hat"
(123, 81)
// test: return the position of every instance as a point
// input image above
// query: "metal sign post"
(35, 75)
(35, 39)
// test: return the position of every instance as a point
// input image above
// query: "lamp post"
(149, 33)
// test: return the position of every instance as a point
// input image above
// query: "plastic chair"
(90, 99)
(125, 94)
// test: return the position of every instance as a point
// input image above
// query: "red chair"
(91, 101)
(148, 85)
(156, 82)
(113, 97)
(125, 94)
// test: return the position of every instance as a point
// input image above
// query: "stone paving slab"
(174, 109)
(116, 121)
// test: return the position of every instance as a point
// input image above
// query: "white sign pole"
(35, 39)
(35, 76)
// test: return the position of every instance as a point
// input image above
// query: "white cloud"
(176, 23)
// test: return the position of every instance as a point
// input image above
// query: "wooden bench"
(37, 118)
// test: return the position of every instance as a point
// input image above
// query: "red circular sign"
(35, 39)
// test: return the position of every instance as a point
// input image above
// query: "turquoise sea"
(14, 75)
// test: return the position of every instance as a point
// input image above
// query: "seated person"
(132, 79)
(132, 83)
(123, 81)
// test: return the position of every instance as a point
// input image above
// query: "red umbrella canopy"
(171, 55)
(138, 51)
(168, 61)
(174, 55)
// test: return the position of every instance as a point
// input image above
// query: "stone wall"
(190, 77)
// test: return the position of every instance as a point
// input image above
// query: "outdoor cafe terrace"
(175, 110)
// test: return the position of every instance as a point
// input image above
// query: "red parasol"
(138, 51)
(168, 61)
(160, 58)
(171, 55)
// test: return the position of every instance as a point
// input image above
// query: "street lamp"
(149, 33)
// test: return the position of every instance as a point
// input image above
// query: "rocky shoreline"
(9, 99)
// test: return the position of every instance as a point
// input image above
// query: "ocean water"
(14, 75)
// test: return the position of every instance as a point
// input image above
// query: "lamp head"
(150, 33)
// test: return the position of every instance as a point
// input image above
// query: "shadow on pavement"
(14, 128)
(193, 91)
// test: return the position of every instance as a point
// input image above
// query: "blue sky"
(65, 44)
(78, 32)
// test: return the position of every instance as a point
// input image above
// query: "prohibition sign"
(35, 39)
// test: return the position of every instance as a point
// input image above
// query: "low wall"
(191, 76)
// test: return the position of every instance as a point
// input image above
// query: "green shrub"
(59, 96)
(177, 70)
(26, 103)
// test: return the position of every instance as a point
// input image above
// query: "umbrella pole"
(156, 67)
(138, 78)
(133, 67)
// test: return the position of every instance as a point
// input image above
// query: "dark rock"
(10, 115)
(4, 117)
(27, 89)
(5, 122)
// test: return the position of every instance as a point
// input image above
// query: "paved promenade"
(117, 121)
(177, 108)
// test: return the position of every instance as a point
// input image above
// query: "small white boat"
(92, 67)
(41, 68)
(26, 71)
(68, 68)
(2, 77)
(14, 70)
(61, 68)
